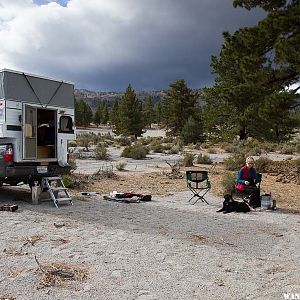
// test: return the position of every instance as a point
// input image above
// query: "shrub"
(136, 151)
(120, 165)
(297, 165)
(178, 142)
(253, 151)
(188, 159)
(72, 143)
(288, 149)
(268, 147)
(101, 152)
(211, 150)
(261, 164)
(72, 163)
(234, 162)
(228, 182)
(67, 180)
(204, 159)
(124, 141)
(231, 148)
(174, 149)
(156, 147)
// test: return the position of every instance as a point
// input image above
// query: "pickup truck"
(13, 173)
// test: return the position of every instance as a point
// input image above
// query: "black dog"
(230, 205)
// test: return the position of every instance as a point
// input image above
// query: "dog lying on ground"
(230, 205)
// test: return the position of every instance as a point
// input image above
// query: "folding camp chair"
(199, 184)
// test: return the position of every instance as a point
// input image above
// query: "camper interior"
(40, 133)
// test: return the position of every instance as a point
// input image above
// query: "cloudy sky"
(106, 44)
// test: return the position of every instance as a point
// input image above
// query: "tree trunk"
(243, 134)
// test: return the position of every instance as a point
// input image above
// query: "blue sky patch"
(61, 2)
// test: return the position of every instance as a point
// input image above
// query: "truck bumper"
(36, 171)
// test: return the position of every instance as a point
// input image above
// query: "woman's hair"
(249, 159)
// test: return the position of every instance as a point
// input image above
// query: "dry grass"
(56, 274)
(287, 195)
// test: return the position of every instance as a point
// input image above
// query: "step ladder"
(57, 190)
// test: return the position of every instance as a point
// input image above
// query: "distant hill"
(94, 98)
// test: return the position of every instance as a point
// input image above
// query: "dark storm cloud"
(105, 45)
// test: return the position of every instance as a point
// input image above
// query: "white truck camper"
(36, 122)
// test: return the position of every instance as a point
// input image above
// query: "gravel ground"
(163, 249)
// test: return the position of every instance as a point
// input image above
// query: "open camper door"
(29, 132)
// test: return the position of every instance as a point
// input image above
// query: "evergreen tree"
(104, 113)
(179, 104)
(148, 111)
(158, 112)
(192, 131)
(97, 116)
(250, 95)
(83, 113)
(130, 115)
(114, 114)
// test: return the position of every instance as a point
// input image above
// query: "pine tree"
(192, 131)
(179, 104)
(83, 113)
(158, 112)
(114, 114)
(148, 113)
(104, 112)
(130, 115)
(250, 96)
(97, 116)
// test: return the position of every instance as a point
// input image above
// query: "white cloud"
(99, 40)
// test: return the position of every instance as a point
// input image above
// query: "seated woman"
(247, 179)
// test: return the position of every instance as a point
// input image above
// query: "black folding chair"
(199, 184)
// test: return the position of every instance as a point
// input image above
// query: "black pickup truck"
(13, 173)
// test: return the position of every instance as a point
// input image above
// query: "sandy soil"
(163, 249)
(156, 181)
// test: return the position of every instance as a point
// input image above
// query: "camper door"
(29, 132)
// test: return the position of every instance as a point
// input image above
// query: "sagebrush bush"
(288, 149)
(67, 180)
(188, 159)
(234, 162)
(204, 159)
(175, 149)
(101, 152)
(72, 143)
(262, 164)
(136, 151)
(231, 148)
(297, 165)
(228, 182)
(157, 147)
(120, 165)
(179, 143)
(72, 163)
(124, 141)
(211, 150)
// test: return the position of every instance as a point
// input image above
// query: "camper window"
(66, 124)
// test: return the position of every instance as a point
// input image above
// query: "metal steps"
(57, 190)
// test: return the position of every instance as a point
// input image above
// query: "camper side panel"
(12, 127)
(2, 117)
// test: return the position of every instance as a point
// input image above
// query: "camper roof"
(29, 88)
(34, 75)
